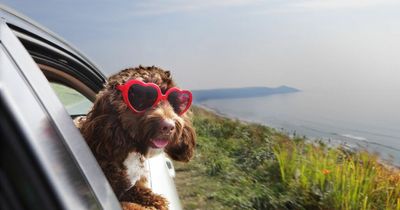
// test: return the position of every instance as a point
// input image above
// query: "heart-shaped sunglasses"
(140, 96)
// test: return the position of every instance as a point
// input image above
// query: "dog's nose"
(167, 126)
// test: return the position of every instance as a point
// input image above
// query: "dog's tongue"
(159, 143)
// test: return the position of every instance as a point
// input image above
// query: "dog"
(126, 125)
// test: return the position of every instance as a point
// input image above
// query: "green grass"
(249, 166)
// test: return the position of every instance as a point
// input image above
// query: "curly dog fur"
(116, 136)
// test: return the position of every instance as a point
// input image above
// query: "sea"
(358, 120)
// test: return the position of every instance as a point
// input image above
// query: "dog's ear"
(102, 130)
(183, 148)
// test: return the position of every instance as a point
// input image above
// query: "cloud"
(160, 7)
(293, 6)
(338, 4)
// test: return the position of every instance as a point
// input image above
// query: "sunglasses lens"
(142, 97)
(180, 101)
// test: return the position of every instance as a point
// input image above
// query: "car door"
(45, 162)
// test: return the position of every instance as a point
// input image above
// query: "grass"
(249, 166)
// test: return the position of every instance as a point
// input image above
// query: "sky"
(328, 45)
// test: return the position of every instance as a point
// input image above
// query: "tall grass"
(249, 166)
(337, 179)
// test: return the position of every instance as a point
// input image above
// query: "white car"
(45, 163)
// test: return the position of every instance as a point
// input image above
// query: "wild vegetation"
(242, 165)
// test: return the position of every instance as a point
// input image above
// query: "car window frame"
(24, 79)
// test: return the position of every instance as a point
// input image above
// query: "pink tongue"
(160, 143)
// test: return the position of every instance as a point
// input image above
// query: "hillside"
(241, 165)
(225, 93)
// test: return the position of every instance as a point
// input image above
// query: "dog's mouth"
(159, 142)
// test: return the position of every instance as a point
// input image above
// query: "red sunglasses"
(140, 96)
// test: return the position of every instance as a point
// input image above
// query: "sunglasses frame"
(160, 97)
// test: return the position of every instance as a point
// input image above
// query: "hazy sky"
(309, 44)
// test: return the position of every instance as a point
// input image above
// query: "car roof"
(28, 29)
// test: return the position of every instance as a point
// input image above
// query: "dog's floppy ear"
(102, 129)
(183, 148)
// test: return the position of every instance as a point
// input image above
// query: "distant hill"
(247, 92)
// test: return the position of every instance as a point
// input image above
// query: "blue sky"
(346, 45)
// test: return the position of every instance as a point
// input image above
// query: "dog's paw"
(160, 202)
(140, 194)
(79, 120)
(134, 206)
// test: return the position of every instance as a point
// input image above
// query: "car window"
(74, 102)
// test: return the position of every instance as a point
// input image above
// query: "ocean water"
(369, 120)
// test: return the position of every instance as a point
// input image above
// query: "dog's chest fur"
(135, 168)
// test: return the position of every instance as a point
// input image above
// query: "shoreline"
(232, 117)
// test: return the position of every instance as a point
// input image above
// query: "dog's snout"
(167, 126)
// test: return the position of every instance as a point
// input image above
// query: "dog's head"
(156, 129)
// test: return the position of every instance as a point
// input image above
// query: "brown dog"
(121, 139)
